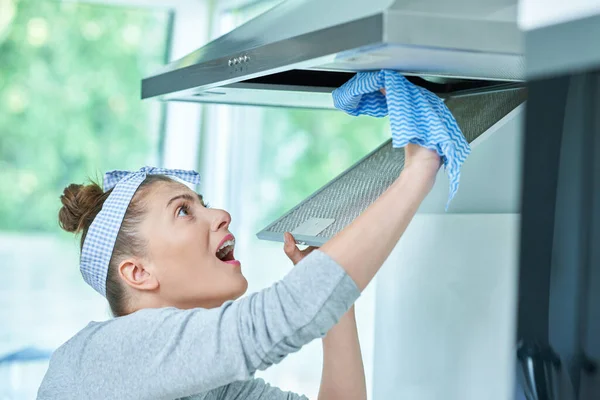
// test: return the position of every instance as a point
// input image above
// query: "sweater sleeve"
(169, 353)
(257, 389)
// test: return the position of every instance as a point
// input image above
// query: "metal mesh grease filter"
(346, 196)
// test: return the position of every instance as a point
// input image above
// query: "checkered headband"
(101, 236)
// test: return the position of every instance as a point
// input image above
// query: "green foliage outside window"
(70, 100)
(305, 149)
(70, 105)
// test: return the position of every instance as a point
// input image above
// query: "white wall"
(491, 176)
(537, 13)
(446, 297)
(445, 310)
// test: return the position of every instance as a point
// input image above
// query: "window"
(69, 106)
(256, 162)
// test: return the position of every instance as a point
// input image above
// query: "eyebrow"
(185, 196)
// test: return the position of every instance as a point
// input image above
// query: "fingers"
(292, 251)
(382, 91)
(308, 250)
(290, 248)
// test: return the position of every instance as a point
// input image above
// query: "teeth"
(227, 244)
(225, 249)
(224, 252)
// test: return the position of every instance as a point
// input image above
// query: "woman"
(166, 265)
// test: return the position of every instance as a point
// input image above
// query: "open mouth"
(225, 250)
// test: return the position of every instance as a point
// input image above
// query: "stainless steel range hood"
(298, 52)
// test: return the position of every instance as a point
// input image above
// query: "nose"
(220, 220)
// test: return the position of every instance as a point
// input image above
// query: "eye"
(183, 211)
(203, 202)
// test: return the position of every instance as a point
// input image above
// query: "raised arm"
(363, 246)
(361, 249)
(343, 374)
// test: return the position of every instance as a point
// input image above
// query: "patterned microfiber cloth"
(416, 116)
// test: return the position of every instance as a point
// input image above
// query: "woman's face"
(183, 241)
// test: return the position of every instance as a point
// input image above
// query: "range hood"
(295, 54)
(344, 198)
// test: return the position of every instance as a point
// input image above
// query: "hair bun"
(80, 205)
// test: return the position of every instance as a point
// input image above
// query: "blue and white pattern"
(416, 116)
(101, 236)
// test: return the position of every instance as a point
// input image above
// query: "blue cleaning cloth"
(416, 116)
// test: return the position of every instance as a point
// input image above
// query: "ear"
(134, 274)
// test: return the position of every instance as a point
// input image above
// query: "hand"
(292, 251)
(420, 158)
(415, 154)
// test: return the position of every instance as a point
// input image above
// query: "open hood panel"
(298, 52)
(346, 197)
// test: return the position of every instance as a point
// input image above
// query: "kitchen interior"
(495, 297)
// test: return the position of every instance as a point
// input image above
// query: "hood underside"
(298, 52)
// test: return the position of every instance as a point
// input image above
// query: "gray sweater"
(207, 354)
